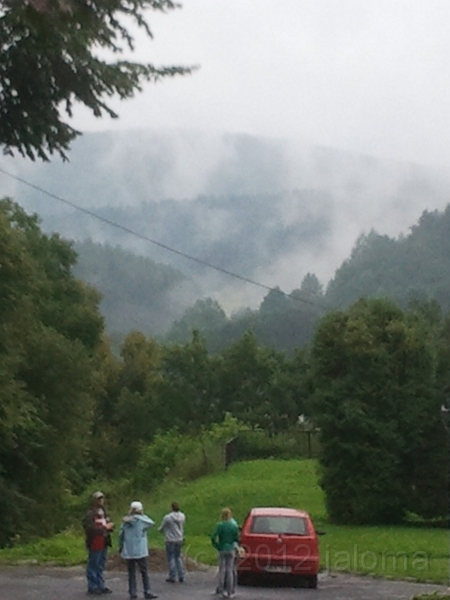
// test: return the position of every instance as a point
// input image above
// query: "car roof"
(277, 511)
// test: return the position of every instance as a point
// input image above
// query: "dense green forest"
(72, 413)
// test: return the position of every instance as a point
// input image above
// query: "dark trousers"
(142, 564)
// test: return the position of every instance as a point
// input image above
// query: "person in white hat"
(133, 546)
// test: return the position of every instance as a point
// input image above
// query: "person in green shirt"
(224, 539)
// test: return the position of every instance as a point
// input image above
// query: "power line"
(159, 244)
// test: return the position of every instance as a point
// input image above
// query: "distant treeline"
(158, 300)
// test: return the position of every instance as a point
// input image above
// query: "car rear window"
(277, 525)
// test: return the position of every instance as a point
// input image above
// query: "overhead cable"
(157, 243)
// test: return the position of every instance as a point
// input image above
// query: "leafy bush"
(185, 457)
(159, 457)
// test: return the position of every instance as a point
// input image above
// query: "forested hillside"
(416, 266)
(242, 233)
(136, 293)
(269, 209)
(156, 299)
(410, 268)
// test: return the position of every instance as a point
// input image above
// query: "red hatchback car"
(280, 541)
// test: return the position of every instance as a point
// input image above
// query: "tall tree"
(378, 411)
(206, 317)
(188, 392)
(128, 415)
(254, 385)
(50, 328)
(50, 61)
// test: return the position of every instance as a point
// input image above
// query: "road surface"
(56, 583)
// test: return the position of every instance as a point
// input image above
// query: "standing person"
(172, 526)
(219, 589)
(97, 528)
(133, 545)
(224, 539)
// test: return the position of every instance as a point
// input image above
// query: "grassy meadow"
(404, 552)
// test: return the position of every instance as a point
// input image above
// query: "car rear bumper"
(294, 565)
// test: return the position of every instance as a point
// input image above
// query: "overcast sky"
(365, 75)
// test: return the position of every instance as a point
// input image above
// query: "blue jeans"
(94, 570)
(219, 589)
(132, 563)
(173, 551)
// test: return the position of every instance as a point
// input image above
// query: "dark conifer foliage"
(414, 267)
(50, 62)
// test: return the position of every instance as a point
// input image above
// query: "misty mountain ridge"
(158, 300)
(413, 271)
(271, 210)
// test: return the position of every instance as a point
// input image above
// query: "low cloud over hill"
(267, 209)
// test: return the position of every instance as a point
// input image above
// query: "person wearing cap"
(97, 528)
(172, 526)
(133, 546)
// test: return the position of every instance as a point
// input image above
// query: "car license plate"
(278, 569)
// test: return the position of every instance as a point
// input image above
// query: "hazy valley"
(267, 210)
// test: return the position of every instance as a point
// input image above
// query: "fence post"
(230, 452)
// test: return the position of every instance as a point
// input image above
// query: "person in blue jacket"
(133, 545)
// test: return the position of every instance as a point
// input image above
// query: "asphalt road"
(52, 583)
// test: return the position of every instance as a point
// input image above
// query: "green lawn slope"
(404, 552)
